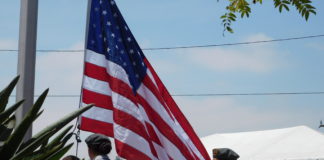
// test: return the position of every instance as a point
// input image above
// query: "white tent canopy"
(296, 143)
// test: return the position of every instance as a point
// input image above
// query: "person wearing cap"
(224, 154)
(98, 146)
(70, 157)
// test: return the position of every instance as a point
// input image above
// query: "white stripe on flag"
(167, 145)
(151, 77)
(162, 154)
(112, 68)
(99, 114)
(157, 106)
(130, 138)
(97, 86)
(140, 114)
(122, 103)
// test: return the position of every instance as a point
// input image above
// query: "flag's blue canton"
(109, 34)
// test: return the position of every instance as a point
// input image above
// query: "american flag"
(131, 103)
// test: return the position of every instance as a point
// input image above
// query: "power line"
(186, 47)
(248, 94)
(212, 94)
(239, 43)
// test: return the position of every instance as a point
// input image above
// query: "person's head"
(70, 157)
(224, 154)
(98, 144)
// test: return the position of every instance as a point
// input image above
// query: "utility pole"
(27, 58)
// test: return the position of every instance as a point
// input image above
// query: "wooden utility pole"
(27, 58)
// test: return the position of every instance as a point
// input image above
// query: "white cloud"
(223, 114)
(162, 66)
(258, 37)
(251, 58)
(7, 61)
(317, 46)
(144, 43)
(61, 71)
(8, 44)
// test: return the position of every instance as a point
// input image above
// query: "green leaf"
(306, 15)
(229, 29)
(66, 138)
(6, 129)
(43, 154)
(5, 93)
(39, 114)
(59, 138)
(61, 123)
(303, 12)
(231, 14)
(223, 16)
(307, 1)
(242, 14)
(31, 147)
(276, 3)
(6, 114)
(309, 6)
(286, 7)
(60, 153)
(285, 2)
(12, 144)
(312, 11)
(231, 18)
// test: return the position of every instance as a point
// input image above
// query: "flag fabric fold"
(131, 103)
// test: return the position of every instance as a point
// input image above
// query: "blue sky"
(290, 66)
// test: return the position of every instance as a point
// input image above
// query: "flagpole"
(78, 122)
(26, 58)
(84, 54)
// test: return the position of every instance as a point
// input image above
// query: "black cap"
(225, 154)
(99, 143)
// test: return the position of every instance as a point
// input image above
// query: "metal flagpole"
(77, 125)
(26, 58)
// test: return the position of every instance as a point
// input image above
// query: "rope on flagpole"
(78, 140)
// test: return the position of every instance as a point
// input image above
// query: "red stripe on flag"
(99, 100)
(164, 128)
(95, 71)
(128, 152)
(177, 113)
(153, 134)
(115, 84)
(128, 121)
(150, 85)
(123, 89)
(95, 126)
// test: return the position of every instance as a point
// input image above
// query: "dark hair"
(225, 154)
(99, 144)
(71, 157)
